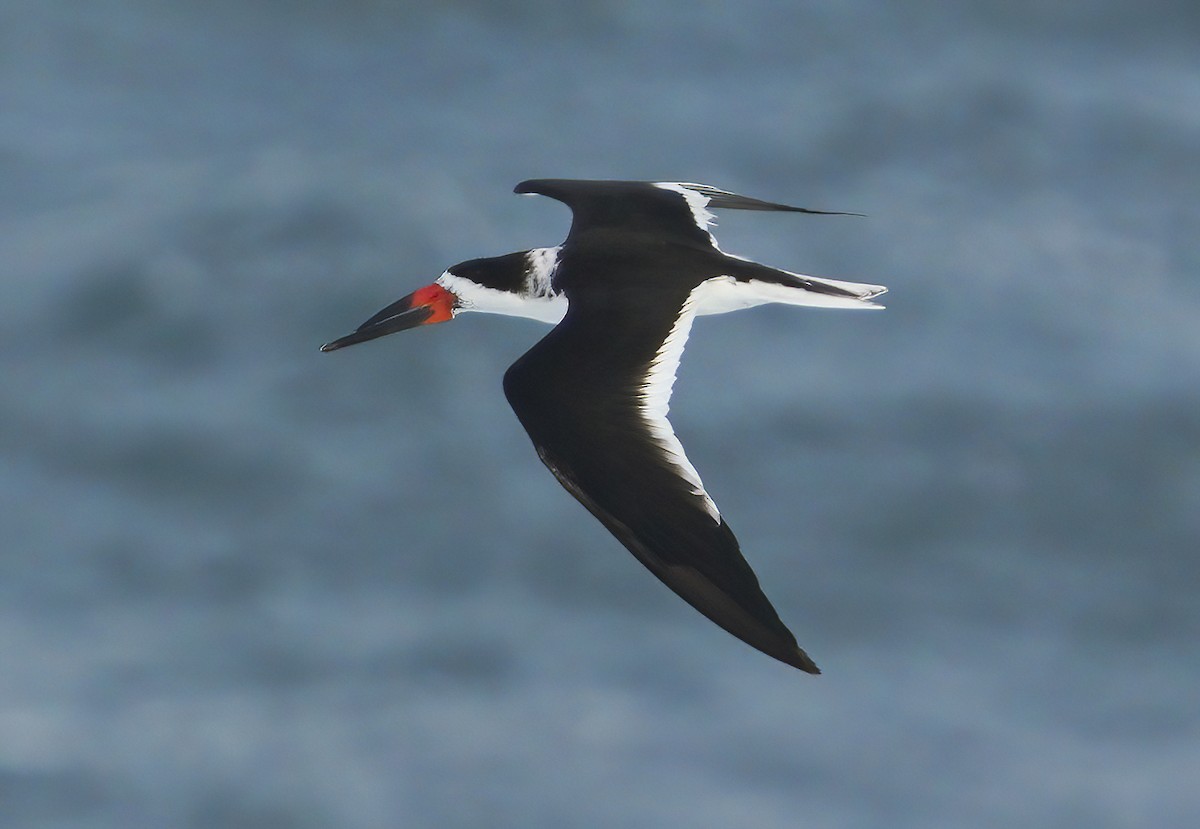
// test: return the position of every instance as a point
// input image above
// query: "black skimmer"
(636, 268)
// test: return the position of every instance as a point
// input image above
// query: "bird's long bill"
(430, 304)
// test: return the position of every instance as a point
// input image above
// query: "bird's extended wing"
(672, 211)
(593, 396)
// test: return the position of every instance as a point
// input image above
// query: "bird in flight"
(638, 265)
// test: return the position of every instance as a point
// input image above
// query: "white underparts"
(655, 400)
(722, 294)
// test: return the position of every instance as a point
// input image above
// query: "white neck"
(536, 299)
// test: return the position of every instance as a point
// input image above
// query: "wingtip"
(535, 186)
(802, 661)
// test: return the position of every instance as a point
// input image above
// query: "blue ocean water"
(246, 584)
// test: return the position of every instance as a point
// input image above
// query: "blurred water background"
(245, 584)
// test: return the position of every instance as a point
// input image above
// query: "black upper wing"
(580, 394)
(671, 211)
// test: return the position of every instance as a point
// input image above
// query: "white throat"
(536, 299)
